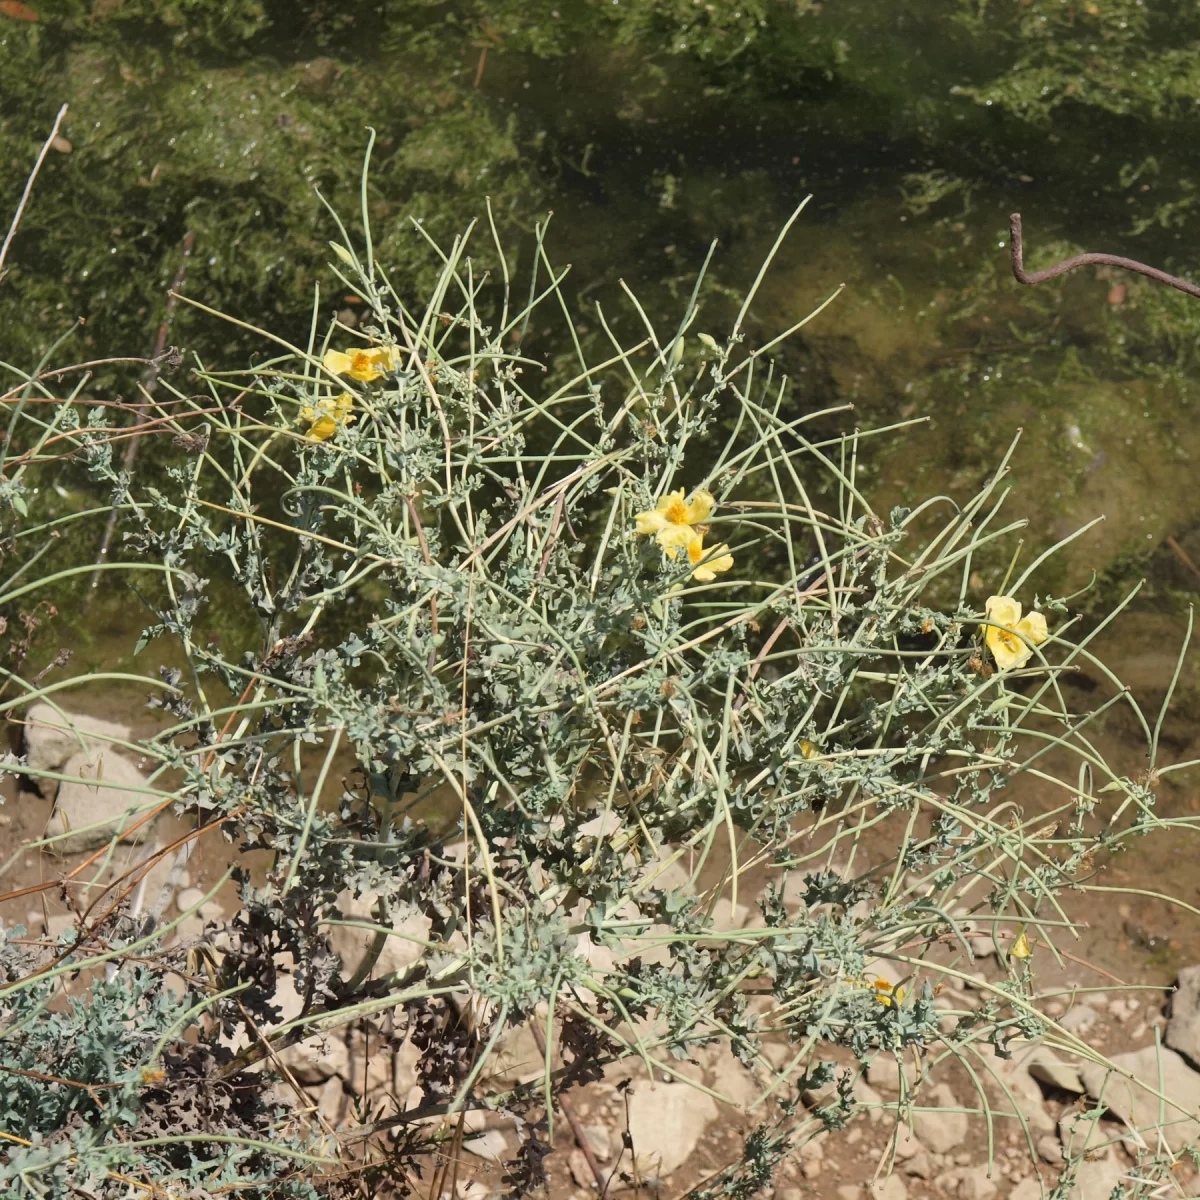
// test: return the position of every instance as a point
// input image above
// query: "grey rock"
(891, 1188)
(99, 792)
(1096, 1179)
(1137, 1105)
(581, 1172)
(1028, 1189)
(351, 943)
(1078, 1019)
(883, 1072)
(943, 1129)
(666, 1122)
(600, 1140)
(920, 1165)
(975, 1184)
(1046, 1067)
(1183, 1027)
(50, 738)
(1049, 1149)
(1079, 1132)
(491, 1144)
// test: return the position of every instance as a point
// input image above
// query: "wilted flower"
(327, 416)
(1007, 629)
(363, 365)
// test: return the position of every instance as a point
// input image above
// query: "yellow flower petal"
(1004, 610)
(698, 507)
(364, 365)
(337, 362)
(650, 522)
(322, 429)
(1020, 948)
(1034, 628)
(720, 560)
(673, 538)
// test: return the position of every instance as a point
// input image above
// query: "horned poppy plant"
(364, 365)
(328, 415)
(1009, 636)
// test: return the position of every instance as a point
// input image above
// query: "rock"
(1048, 1068)
(891, 1188)
(1139, 1107)
(351, 943)
(884, 1072)
(940, 1129)
(1024, 1089)
(1028, 1189)
(666, 1122)
(1078, 1019)
(49, 738)
(788, 1193)
(1049, 1149)
(849, 1191)
(188, 897)
(490, 1144)
(317, 1059)
(920, 1165)
(331, 1101)
(1096, 1179)
(577, 1164)
(319, 76)
(974, 1183)
(98, 793)
(600, 1141)
(727, 916)
(517, 1058)
(1183, 1028)
(870, 1100)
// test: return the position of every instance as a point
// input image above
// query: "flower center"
(677, 512)
(1010, 641)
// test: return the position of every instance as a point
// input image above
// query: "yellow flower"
(1020, 948)
(884, 992)
(671, 513)
(719, 559)
(1006, 630)
(363, 365)
(328, 416)
(673, 522)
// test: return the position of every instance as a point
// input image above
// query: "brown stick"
(1086, 260)
(1183, 556)
(581, 1138)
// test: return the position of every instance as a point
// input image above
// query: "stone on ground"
(1096, 1179)
(99, 792)
(941, 1129)
(1028, 1189)
(50, 738)
(1138, 1106)
(351, 943)
(1183, 1028)
(891, 1188)
(975, 1184)
(666, 1122)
